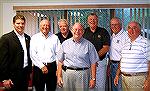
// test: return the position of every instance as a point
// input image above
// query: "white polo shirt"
(117, 42)
(135, 56)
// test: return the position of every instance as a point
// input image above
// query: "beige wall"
(8, 14)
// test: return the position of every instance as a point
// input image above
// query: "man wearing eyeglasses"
(135, 61)
(118, 39)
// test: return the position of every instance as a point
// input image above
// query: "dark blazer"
(12, 56)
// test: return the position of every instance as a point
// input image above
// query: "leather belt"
(114, 61)
(134, 74)
(48, 64)
(74, 68)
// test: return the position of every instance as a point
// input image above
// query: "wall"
(7, 14)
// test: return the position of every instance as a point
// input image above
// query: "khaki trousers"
(133, 83)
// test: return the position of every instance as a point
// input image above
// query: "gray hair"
(63, 20)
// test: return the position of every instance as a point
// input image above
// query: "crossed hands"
(8, 83)
(44, 70)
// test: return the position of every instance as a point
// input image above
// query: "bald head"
(45, 27)
(115, 25)
(134, 30)
(77, 31)
(45, 21)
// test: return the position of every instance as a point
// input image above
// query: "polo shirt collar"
(115, 35)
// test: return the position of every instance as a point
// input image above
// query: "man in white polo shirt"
(118, 39)
(135, 61)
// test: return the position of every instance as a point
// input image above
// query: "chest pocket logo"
(99, 36)
(118, 41)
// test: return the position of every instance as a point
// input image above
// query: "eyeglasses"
(114, 24)
(132, 28)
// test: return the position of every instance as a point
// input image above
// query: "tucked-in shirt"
(117, 43)
(134, 56)
(44, 50)
(23, 44)
(78, 54)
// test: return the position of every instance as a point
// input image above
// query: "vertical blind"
(80, 15)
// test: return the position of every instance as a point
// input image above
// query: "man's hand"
(8, 84)
(146, 85)
(92, 83)
(60, 82)
(44, 70)
(116, 80)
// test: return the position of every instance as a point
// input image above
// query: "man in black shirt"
(64, 30)
(101, 40)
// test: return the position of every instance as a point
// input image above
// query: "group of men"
(75, 59)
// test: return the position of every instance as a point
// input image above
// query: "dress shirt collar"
(79, 40)
(49, 34)
(19, 34)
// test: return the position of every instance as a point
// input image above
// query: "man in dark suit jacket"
(15, 62)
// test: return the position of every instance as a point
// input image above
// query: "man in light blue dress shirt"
(79, 58)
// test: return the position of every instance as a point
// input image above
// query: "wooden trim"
(65, 7)
(112, 13)
(65, 14)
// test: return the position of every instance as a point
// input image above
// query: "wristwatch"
(93, 79)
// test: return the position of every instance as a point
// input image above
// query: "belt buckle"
(45, 63)
(75, 68)
(64, 67)
(127, 74)
(134, 74)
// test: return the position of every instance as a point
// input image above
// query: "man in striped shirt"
(135, 62)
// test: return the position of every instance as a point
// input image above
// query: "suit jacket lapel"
(27, 40)
(16, 39)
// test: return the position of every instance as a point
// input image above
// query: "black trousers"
(20, 80)
(40, 79)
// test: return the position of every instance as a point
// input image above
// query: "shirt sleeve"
(60, 54)
(33, 54)
(106, 37)
(4, 63)
(148, 50)
(93, 54)
(58, 46)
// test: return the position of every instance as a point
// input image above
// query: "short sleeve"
(148, 50)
